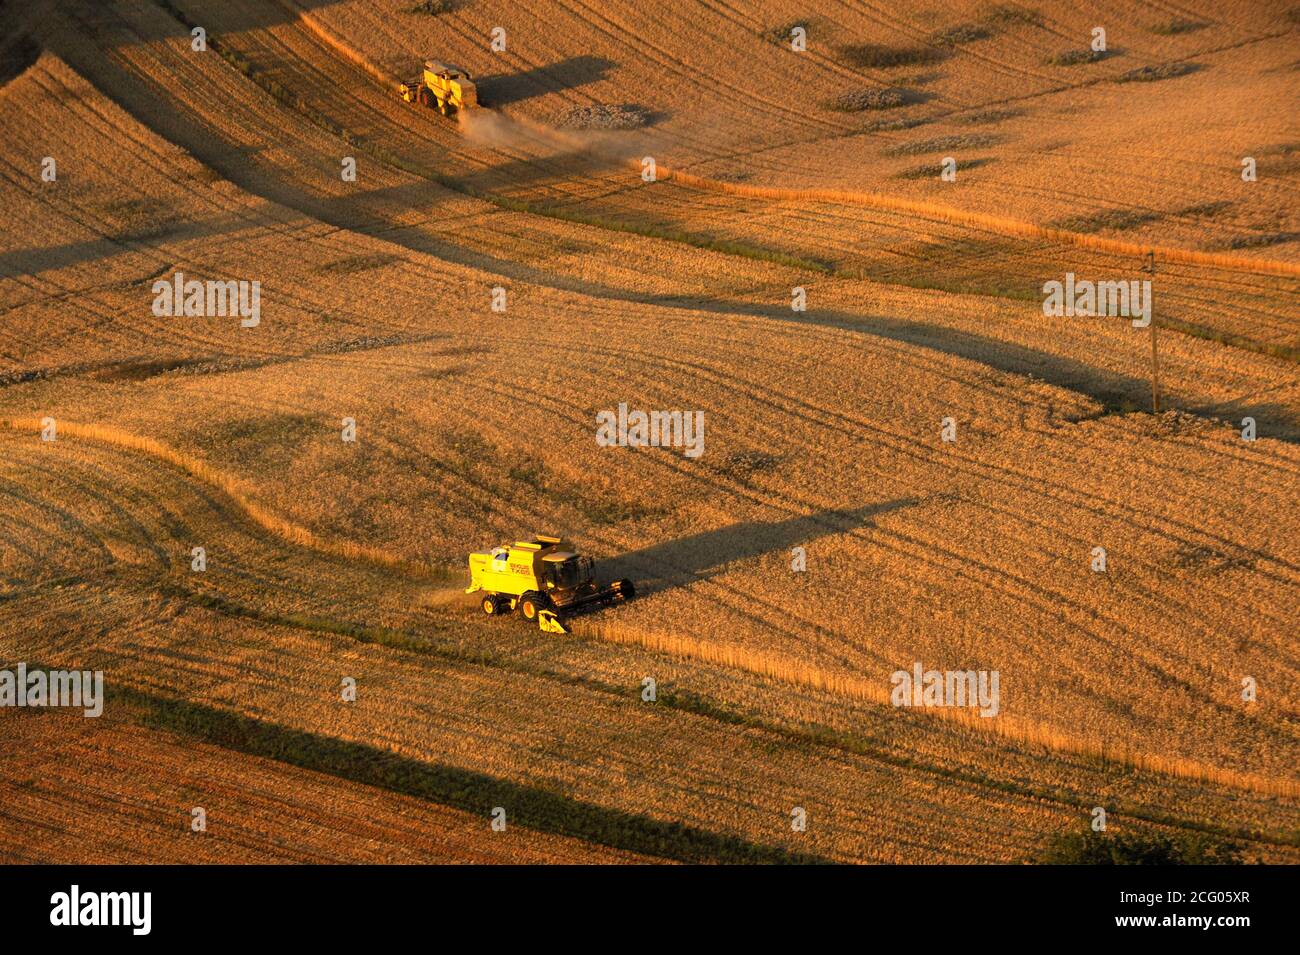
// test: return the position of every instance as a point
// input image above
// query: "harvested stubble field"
(328, 559)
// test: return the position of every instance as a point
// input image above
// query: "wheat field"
(915, 469)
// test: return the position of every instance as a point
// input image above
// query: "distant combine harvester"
(447, 87)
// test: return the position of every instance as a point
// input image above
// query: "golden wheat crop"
(823, 432)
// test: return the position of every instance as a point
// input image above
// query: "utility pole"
(1150, 269)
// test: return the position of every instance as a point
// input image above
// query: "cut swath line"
(1005, 226)
(199, 469)
(789, 670)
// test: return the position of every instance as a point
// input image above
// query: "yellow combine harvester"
(446, 87)
(543, 578)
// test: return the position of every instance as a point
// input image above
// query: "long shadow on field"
(506, 88)
(242, 17)
(34, 260)
(678, 563)
(532, 806)
(17, 50)
(1115, 392)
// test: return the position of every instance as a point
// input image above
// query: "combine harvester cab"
(543, 579)
(446, 87)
